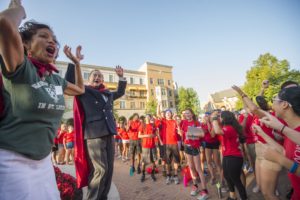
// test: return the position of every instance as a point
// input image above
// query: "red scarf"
(42, 68)
(1, 96)
(100, 88)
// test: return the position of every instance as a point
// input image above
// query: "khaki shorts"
(263, 162)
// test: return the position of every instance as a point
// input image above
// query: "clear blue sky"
(210, 43)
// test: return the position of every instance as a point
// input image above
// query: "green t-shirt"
(33, 108)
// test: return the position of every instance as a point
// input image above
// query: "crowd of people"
(216, 145)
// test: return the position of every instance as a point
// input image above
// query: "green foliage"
(268, 67)
(188, 98)
(151, 107)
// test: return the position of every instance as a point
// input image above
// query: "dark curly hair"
(30, 28)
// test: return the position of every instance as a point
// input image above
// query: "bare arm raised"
(11, 46)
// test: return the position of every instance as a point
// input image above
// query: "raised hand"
(271, 121)
(18, 5)
(265, 84)
(237, 89)
(75, 59)
(119, 71)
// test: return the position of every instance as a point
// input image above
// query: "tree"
(151, 107)
(268, 67)
(188, 98)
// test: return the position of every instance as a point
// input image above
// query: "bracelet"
(283, 127)
(294, 167)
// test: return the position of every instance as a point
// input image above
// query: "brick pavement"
(130, 188)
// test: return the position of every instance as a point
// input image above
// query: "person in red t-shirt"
(246, 120)
(287, 107)
(147, 133)
(211, 148)
(68, 142)
(231, 149)
(170, 138)
(125, 138)
(118, 143)
(266, 171)
(59, 139)
(134, 142)
(192, 151)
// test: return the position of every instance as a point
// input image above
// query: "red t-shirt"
(123, 134)
(148, 129)
(60, 139)
(133, 131)
(184, 124)
(268, 131)
(292, 151)
(69, 137)
(169, 133)
(250, 136)
(207, 137)
(230, 142)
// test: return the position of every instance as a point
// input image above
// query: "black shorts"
(162, 151)
(191, 150)
(214, 145)
(135, 146)
(172, 153)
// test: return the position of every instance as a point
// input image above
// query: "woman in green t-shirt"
(34, 104)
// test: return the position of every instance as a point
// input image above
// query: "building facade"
(151, 81)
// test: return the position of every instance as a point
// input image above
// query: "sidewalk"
(131, 188)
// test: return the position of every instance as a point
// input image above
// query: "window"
(151, 80)
(111, 78)
(142, 93)
(163, 92)
(142, 105)
(122, 105)
(164, 103)
(170, 93)
(132, 105)
(132, 93)
(131, 80)
(86, 75)
(171, 104)
(169, 82)
(152, 92)
(160, 81)
(141, 81)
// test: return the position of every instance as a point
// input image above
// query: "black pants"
(101, 163)
(232, 169)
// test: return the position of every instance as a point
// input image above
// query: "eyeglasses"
(280, 100)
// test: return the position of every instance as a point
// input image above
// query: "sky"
(210, 43)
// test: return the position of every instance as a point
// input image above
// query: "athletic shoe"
(168, 180)
(138, 170)
(176, 180)
(131, 171)
(256, 189)
(143, 178)
(205, 173)
(277, 194)
(153, 177)
(203, 195)
(194, 191)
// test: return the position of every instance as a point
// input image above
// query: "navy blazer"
(99, 120)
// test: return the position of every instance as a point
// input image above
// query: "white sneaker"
(176, 180)
(194, 191)
(203, 195)
(277, 194)
(256, 189)
(168, 180)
